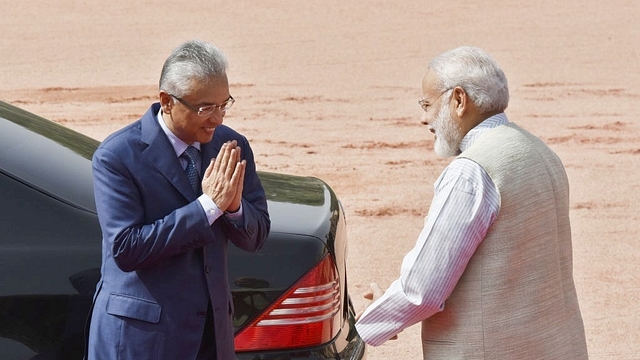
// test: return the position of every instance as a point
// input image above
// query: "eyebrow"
(212, 104)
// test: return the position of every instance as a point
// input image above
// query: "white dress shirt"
(464, 205)
(210, 208)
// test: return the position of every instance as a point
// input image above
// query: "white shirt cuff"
(210, 208)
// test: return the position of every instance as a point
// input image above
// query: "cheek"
(438, 121)
(192, 123)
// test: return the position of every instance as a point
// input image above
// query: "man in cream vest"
(490, 276)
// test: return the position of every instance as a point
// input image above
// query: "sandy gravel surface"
(329, 89)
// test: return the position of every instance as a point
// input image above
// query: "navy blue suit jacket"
(161, 260)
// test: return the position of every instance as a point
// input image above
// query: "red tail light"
(306, 315)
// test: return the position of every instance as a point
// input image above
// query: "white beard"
(448, 133)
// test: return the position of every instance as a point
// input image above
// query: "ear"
(166, 101)
(460, 100)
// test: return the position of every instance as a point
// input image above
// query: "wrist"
(232, 211)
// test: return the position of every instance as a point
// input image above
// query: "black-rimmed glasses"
(207, 109)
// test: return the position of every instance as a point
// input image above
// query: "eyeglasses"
(207, 109)
(424, 103)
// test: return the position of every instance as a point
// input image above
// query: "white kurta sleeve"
(465, 204)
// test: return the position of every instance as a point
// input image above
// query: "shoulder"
(121, 139)
(224, 133)
(144, 129)
(465, 168)
(464, 173)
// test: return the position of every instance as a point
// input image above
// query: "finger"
(243, 169)
(231, 164)
(209, 169)
(226, 154)
(240, 184)
(376, 290)
(239, 149)
(226, 165)
(218, 159)
(237, 178)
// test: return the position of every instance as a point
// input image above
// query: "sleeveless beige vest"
(516, 298)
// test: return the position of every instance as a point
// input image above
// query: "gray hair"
(193, 60)
(477, 73)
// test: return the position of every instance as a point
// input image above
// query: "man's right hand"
(374, 294)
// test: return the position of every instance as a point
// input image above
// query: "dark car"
(290, 298)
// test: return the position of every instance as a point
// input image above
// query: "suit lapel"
(160, 154)
(209, 151)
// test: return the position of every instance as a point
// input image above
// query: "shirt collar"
(179, 146)
(486, 124)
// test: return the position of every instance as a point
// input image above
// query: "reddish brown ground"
(329, 89)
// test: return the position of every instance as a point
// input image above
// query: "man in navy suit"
(164, 292)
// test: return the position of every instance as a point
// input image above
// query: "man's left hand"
(224, 178)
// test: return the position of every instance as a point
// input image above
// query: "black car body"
(290, 298)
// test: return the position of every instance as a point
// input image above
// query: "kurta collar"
(487, 124)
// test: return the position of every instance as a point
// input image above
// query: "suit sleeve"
(134, 241)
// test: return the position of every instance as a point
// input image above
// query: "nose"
(423, 119)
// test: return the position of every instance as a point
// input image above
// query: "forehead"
(219, 82)
(429, 82)
(214, 90)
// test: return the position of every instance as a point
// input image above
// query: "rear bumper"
(355, 350)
